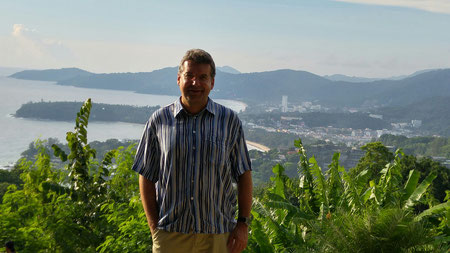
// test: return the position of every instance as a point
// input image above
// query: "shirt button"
(193, 148)
(193, 131)
(192, 198)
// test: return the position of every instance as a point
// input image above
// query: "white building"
(416, 123)
(284, 103)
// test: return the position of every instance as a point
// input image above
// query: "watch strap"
(245, 220)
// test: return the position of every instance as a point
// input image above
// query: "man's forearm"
(148, 197)
(237, 241)
(245, 188)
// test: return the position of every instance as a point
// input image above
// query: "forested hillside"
(419, 146)
(434, 113)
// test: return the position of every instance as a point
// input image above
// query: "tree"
(377, 156)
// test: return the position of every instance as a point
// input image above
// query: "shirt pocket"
(215, 154)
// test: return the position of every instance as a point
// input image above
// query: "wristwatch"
(246, 220)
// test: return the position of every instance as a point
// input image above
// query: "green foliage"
(7, 178)
(128, 230)
(419, 146)
(385, 230)
(81, 206)
(375, 159)
(386, 203)
(336, 211)
(425, 166)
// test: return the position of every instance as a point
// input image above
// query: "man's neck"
(193, 108)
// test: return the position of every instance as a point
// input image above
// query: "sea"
(17, 133)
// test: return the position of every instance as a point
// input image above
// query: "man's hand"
(148, 198)
(237, 241)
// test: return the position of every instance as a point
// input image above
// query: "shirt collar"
(209, 107)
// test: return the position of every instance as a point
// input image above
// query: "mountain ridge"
(267, 86)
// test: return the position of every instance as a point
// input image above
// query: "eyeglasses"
(202, 78)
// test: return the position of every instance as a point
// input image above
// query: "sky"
(365, 38)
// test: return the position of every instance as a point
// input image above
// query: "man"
(190, 154)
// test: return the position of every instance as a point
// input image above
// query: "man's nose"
(195, 80)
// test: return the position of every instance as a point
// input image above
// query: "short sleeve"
(146, 161)
(240, 159)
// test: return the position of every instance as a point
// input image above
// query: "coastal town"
(287, 118)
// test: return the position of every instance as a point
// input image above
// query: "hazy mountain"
(162, 81)
(6, 71)
(228, 69)
(356, 79)
(422, 86)
(269, 86)
(352, 79)
(407, 76)
(51, 74)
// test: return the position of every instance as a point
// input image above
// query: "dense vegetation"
(336, 211)
(419, 146)
(100, 112)
(383, 205)
(101, 147)
(263, 162)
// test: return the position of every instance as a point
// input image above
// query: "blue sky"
(370, 38)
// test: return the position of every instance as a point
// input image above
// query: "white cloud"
(28, 48)
(439, 6)
(25, 47)
(111, 56)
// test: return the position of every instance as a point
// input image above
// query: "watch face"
(246, 220)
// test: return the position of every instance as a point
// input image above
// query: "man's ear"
(178, 79)
(212, 83)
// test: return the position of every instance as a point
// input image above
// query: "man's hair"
(198, 56)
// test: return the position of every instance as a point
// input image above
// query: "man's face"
(195, 84)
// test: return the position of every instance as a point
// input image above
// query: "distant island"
(66, 111)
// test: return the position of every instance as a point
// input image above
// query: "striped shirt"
(194, 159)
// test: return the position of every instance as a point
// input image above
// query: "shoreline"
(258, 146)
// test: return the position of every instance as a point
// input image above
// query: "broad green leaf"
(420, 190)
(278, 180)
(434, 210)
(411, 184)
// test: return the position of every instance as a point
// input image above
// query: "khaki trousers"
(174, 242)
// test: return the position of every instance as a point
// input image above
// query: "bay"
(17, 133)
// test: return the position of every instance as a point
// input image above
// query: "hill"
(266, 86)
(356, 79)
(228, 69)
(7, 71)
(434, 112)
(51, 74)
